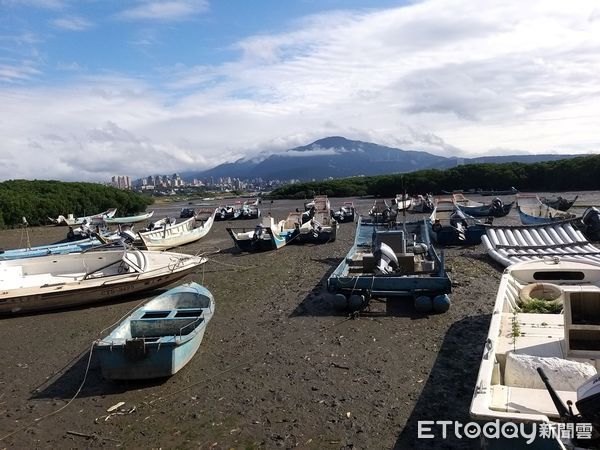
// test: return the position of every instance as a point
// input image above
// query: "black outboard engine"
(385, 259)
(591, 223)
(497, 208)
(258, 232)
(588, 404)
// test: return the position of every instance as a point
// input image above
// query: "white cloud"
(440, 76)
(155, 10)
(72, 23)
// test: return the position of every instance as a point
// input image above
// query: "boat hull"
(93, 290)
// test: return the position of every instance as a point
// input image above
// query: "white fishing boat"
(59, 281)
(129, 219)
(402, 202)
(96, 219)
(564, 343)
(177, 234)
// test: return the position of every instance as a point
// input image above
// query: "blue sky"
(94, 88)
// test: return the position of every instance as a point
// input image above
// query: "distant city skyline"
(92, 89)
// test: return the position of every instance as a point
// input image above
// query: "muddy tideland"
(279, 367)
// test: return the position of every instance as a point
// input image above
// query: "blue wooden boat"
(391, 261)
(450, 226)
(533, 212)
(159, 338)
(50, 249)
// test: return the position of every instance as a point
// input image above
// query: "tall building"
(121, 181)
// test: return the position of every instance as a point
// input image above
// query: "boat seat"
(162, 327)
(525, 400)
(540, 335)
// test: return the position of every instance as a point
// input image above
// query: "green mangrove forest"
(579, 173)
(38, 200)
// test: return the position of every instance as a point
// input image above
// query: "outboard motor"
(385, 259)
(258, 232)
(127, 236)
(591, 223)
(497, 208)
(588, 404)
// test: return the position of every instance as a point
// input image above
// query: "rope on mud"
(39, 419)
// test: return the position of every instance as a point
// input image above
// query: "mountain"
(339, 157)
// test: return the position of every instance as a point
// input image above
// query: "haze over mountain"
(339, 157)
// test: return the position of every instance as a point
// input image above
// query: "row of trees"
(37, 200)
(581, 173)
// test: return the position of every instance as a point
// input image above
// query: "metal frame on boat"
(396, 261)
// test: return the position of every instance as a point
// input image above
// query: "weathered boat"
(315, 225)
(267, 235)
(96, 219)
(560, 203)
(422, 204)
(450, 226)
(532, 211)
(50, 249)
(345, 213)
(533, 362)
(510, 244)
(246, 211)
(60, 281)
(496, 208)
(401, 202)
(388, 261)
(159, 338)
(174, 235)
(382, 212)
(129, 219)
(225, 212)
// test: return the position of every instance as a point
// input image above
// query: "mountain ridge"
(339, 157)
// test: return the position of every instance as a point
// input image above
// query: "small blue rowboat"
(159, 338)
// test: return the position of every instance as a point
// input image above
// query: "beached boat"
(345, 213)
(267, 235)
(129, 219)
(533, 212)
(159, 338)
(313, 226)
(450, 226)
(382, 212)
(51, 249)
(401, 203)
(246, 211)
(560, 203)
(225, 212)
(496, 208)
(96, 219)
(174, 235)
(564, 343)
(60, 281)
(388, 261)
(422, 204)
